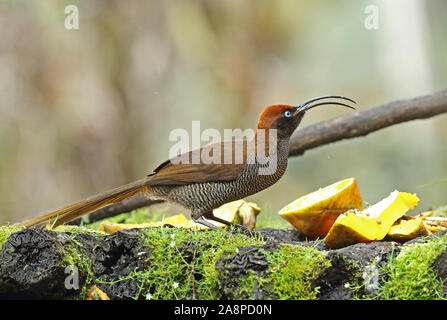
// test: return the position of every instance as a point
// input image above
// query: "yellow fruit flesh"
(314, 214)
(406, 230)
(373, 223)
(178, 220)
(94, 293)
(227, 212)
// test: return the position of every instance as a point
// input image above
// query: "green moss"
(72, 256)
(6, 231)
(249, 283)
(410, 276)
(291, 272)
(184, 262)
(362, 281)
(184, 267)
(292, 269)
(75, 230)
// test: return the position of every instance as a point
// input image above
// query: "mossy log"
(169, 263)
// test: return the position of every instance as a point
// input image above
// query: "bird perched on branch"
(239, 168)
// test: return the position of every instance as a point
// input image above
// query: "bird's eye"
(288, 114)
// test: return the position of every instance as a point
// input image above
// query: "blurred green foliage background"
(82, 111)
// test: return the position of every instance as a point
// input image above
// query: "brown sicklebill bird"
(206, 178)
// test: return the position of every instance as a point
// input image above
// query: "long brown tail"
(93, 203)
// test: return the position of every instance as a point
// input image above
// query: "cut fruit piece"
(314, 214)
(178, 221)
(434, 229)
(94, 293)
(239, 211)
(407, 228)
(112, 227)
(247, 214)
(433, 224)
(228, 212)
(370, 224)
(425, 214)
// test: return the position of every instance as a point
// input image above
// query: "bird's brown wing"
(222, 161)
(170, 172)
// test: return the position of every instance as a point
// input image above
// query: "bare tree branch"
(348, 126)
(361, 123)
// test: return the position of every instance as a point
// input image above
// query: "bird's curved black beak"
(303, 107)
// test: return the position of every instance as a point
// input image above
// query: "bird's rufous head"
(285, 119)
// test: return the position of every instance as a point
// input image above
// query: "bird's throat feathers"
(266, 141)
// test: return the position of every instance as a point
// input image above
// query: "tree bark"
(363, 122)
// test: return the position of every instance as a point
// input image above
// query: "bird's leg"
(198, 218)
(211, 216)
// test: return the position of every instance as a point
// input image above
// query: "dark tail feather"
(91, 204)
